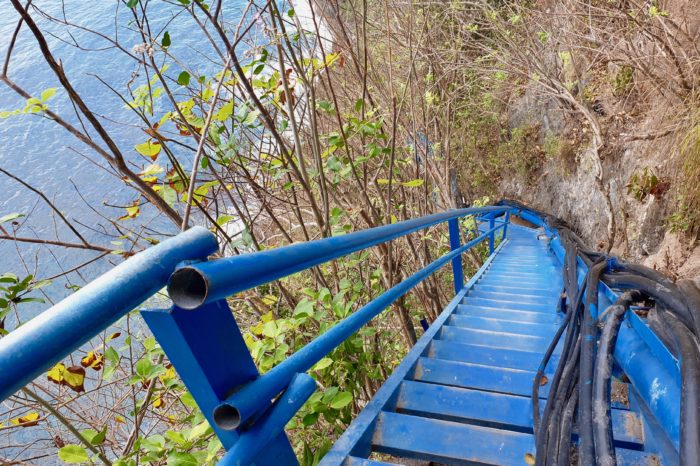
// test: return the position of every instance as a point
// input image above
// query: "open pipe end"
(188, 288)
(227, 417)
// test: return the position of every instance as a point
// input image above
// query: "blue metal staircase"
(462, 395)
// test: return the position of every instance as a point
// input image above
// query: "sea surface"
(53, 161)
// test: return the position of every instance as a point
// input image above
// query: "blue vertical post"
(208, 352)
(492, 236)
(505, 225)
(453, 225)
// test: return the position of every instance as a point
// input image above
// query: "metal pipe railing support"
(455, 241)
(253, 440)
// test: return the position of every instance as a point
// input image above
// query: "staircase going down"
(462, 395)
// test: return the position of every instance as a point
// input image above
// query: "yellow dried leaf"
(93, 360)
(28, 420)
(72, 377)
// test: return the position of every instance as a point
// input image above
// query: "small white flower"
(142, 49)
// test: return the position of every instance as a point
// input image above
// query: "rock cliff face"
(634, 142)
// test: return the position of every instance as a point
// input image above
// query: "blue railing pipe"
(253, 440)
(192, 286)
(246, 401)
(506, 222)
(455, 241)
(34, 347)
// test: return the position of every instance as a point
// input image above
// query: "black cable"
(570, 344)
(589, 334)
(675, 318)
(567, 419)
(602, 422)
(540, 372)
(669, 296)
(687, 345)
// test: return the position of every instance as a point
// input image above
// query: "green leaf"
(10, 217)
(182, 459)
(183, 78)
(132, 3)
(322, 364)
(148, 148)
(325, 105)
(305, 308)
(73, 454)
(413, 183)
(198, 431)
(166, 40)
(144, 367)
(8, 113)
(224, 219)
(95, 437)
(310, 419)
(341, 400)
(359, 103)
(251, 117)
(224, 113)
(169, 195)
(48, 93)
(176, 437)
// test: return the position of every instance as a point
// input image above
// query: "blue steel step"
(517, 290)
(494, 410)
(444, 441)
(510, 304)
(462, 395)
(476, 376)
(502, 325)
(523, 298)
(507, 340)
(507, 314)
(486, 355)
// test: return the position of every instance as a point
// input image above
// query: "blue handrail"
(43, 341)
(198, 284)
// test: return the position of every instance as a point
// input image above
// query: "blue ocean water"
(42, 153)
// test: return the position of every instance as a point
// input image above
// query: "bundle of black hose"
(687, 346)
(669, 295)
(536, 382)
(602, 423)
(589, 337)
(675, 319)
(563, 378)
(568, 385)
